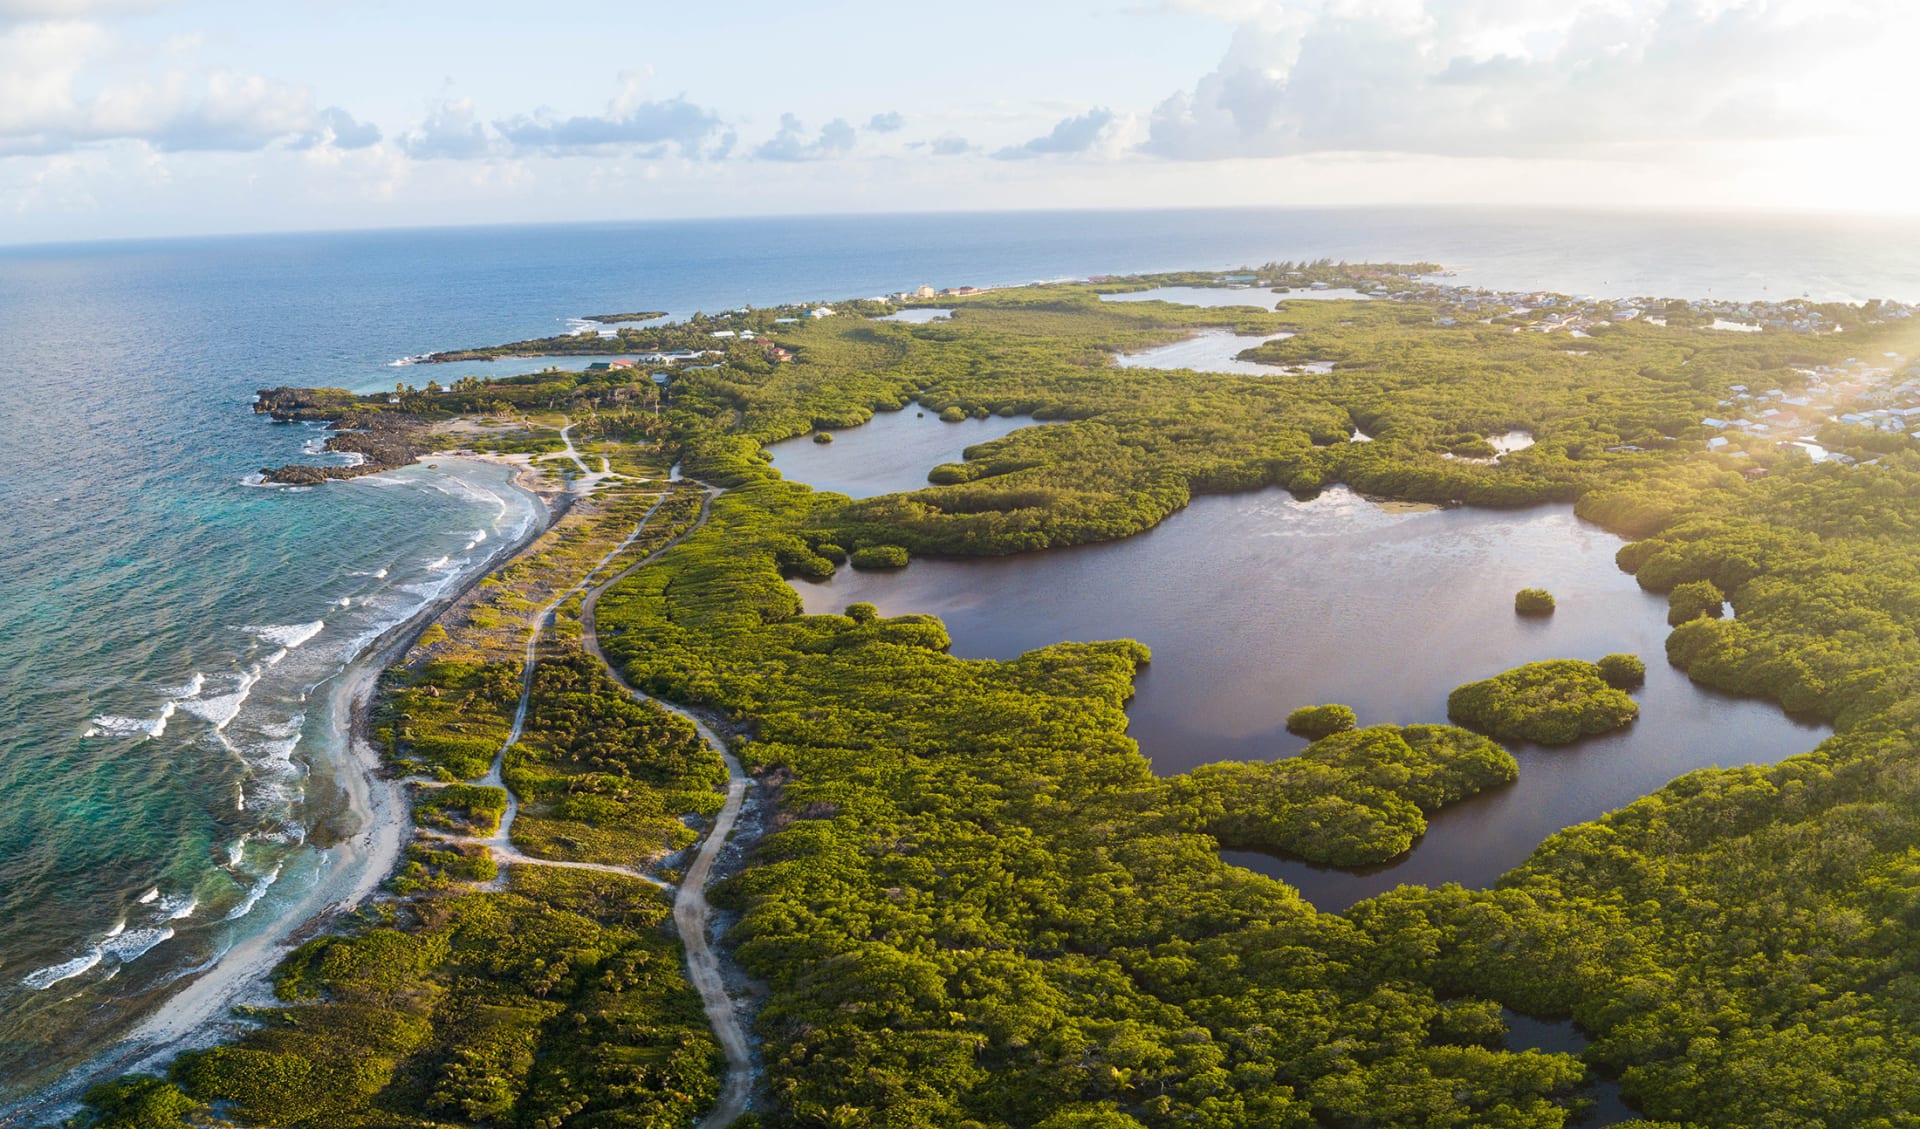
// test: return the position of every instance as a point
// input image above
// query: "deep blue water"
(144, 581)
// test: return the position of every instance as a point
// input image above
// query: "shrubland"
(976, 906)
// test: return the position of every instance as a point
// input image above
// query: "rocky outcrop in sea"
(384, 438)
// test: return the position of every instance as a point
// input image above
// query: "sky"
(133, 118)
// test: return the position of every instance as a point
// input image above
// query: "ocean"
(171, 635)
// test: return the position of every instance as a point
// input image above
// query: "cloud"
(1073, 135)
(655, 126)
(339, 129)
(949, 146)
(12, 11)
(451, 132)
(791, 143)
(53, 98)
(1505, 78)
(224, 111)
(67, 84)
(890, 122)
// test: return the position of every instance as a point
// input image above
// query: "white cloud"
(339, 130)
(216, 110)
(68, 84)
(1506, 77)
(648, 127)
(1095, 131)
(23, 10)
(452, 131)
(835, 139)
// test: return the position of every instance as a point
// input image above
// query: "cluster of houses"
(1547, 312)
(1885, 397)
(1883, 394)
(924, 293)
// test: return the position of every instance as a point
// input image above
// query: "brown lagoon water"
(1254, 604)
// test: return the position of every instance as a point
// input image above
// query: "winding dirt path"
(589, 479)
(692, 913)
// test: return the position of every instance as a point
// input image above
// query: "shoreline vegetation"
(974, 905)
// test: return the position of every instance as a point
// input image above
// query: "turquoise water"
(144, 582)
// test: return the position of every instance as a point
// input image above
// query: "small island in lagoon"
(1548, 703)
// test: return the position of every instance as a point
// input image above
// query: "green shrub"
(1350, 799)
(1470, 1023)
(862, 612)
(562, 992)
(1467, 446)
(1549, 703)
(1623, 672)
(1316, 722)
(463, 756)
(823, 437)
(138, 1101)
(1091, 1117)
(1694, 599)
(953, 414)
(810, 568)
(467, 808)
(880, 556)
(1533, 601)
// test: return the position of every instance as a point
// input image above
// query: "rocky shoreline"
(383, 440)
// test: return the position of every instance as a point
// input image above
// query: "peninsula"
(957, 894)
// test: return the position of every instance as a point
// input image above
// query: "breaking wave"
(288, 635)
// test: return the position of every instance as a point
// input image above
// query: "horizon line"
(1720, 214)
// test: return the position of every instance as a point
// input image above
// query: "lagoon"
(1254, 604)
(1209, 297)
(891, 454)
(919, 315)
(1210, 350)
